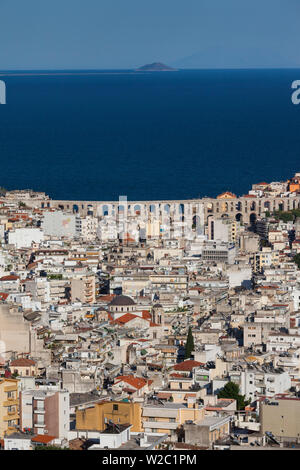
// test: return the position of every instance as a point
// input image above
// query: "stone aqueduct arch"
(246, 208)
(177, 216)
(183, 210)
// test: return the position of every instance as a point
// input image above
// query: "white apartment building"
(24, 237)
(254, 382)
(87, 227)
(282, 342)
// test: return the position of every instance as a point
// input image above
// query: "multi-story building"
(167, 417)
(222, 229)
(280, 415)
(87, 227)
(256, 382)
(45, 412)
(265, 258)
(9, 406)
(83, 289)
(23, 367)
(96, 417)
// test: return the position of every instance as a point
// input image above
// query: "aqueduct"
(245, 208)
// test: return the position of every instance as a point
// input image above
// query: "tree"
(285, 216)
(232, 390)
(296, 260)
(180, 433)
(189, 345)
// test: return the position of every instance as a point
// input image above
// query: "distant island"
(155, 67)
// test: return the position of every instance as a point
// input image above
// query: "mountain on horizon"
(220, 57)
(155, 67)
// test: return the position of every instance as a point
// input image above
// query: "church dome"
(122, 301)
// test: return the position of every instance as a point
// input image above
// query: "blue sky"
(103, 34)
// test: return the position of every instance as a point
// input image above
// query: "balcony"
(11, 416)
(10, 402)
(39, 425)
(11, 388)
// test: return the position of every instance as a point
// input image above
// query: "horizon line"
(94, 71)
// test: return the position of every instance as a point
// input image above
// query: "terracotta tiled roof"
(135, 382)
(43, 438)
(188, 365)
(11, 277)
(226, 194)
(146, 314)
(125, 318)
(23, 362)
(3, 295)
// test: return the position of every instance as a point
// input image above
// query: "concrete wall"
(14, 332)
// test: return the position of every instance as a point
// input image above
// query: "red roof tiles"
(188, 365)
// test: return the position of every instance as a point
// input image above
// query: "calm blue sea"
(159, 135)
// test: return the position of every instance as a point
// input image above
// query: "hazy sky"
(128, 33)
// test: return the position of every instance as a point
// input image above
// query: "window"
(115, 407)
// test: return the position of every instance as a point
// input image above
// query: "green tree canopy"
(232, 390)
(189, 345)
(296, 260)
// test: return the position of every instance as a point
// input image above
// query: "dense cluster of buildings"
(97, 301)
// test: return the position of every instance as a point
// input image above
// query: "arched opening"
(224, 207)
(210, 208)
(105, 210)
(196, 222)
(238, 206)
(239, 217)
(152, 208)
(137, 209)
(252, 206)
(252, 218)
(75, 209)
(181, 212)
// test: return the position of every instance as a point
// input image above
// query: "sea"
(99, 135)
